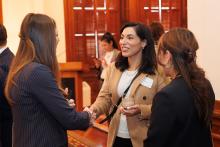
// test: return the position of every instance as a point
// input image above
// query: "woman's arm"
(161, 121)
(44, 88)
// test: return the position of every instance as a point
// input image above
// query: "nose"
(122, 41)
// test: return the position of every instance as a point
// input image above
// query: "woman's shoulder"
(36, 66)
(116, 51)
(160, 77)
(34, 69)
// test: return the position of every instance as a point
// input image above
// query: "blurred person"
(41, 114)
(6, 57)
(129, 86)
(110, 48)
(157, 30)
(182, 111)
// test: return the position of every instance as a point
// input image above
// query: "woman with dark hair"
(41, 114)
(110, 48)
(182, 111)
(131, 83)
(157, 30)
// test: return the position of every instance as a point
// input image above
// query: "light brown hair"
(37, 44)
(182, 44)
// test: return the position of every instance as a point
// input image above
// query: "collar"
(2, 49)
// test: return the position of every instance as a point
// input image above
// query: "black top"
(41, 114)
(5, 60)
(5, 112)
(174, 119)
(6, 57)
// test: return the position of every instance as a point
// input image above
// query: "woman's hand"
(92, 115)
(97, 62)
(71, 102)
(130, 111)
(104, 63)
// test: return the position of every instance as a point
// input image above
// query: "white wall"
(204, 22)
(15, 10)
(55, 9)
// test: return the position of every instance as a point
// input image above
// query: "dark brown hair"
(37, 44)
(3, 35)
(109, 38)
(182, 44)
(157, 30)
(148, 61)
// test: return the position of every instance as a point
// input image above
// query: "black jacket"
(174, 119)
(41, 114)
(5, 111)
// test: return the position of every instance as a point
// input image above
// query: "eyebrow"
(129, 35)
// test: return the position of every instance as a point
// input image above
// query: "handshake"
(71, 102)
(92, 115)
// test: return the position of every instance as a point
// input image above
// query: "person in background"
(41, 114)
(6, 57)
(157, 30)
(182, 111)
(110, 47)
(134, 70)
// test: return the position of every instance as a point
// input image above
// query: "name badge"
(147, 82)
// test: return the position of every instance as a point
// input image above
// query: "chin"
(125, 54)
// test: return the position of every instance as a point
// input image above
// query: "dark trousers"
(122, 142)
(6, 133)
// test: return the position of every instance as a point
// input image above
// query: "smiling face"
(130, 43)
(106, 46)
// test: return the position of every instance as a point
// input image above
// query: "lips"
(124, 49)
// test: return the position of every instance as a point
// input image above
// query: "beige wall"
(15, 10)
(203, 20)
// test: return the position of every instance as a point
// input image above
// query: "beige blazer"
(138, 124)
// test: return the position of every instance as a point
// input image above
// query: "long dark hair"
(37, 43)
(182, 44)
(148, 62)
(109, 38)
(3, 35)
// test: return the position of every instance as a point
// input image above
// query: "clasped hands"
(92, 115)
(71, 102)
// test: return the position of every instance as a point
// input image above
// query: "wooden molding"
(72, 72)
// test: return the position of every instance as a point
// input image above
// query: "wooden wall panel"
(169, 13)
